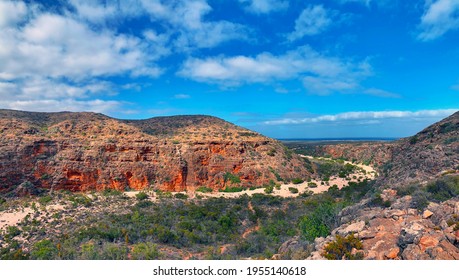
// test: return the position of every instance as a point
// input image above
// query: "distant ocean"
(337, 139)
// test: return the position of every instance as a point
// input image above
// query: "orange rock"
(427, 241)
(392, 253)
(427, 214)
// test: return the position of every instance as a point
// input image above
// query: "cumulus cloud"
(364, 116)
(187, 24)
(320, 74)
(440, 17)
(312, 20)
(75, 52)
(11, 13)
(264, 6)
(59, 59)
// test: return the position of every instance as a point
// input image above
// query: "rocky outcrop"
(401, 233)
(87, 151)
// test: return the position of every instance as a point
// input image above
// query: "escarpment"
(88, 151)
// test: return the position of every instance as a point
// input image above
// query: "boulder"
(427, 214)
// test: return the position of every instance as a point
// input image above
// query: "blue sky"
(302, 69)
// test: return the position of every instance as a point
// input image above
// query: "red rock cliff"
(86, 151)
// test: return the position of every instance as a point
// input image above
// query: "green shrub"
(44, 250)
(45, 200)
(444, 188)
(231, 177)
(297, 181)
(269, 189)
(181, 196)
(12, 231)
(320, 222)
(293, 190)
(78, 199)
(419, 200)
(276, 174)
(111, 192)
(377, 200)
(342, 247)
(141, 196)
(113, 251)
(306, 193)
(233, 189)
(312, 185)
(143, 204)
(204, 189)
(145, 251)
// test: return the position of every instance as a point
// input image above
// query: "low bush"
(269, 189)
(444, 188)
(320, 222)
(231, 178)
(342, 247)
(44, 250)
(293, 190)
(297, 181)
(45, 200)
(141, 196)
(145, 251)
(232, 189)
(204, 189)
(181, 196)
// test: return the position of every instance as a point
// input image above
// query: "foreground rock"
(401, 233)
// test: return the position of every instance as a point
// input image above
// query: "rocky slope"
(417, 216)
(375, 154)
(88, 151)
(426, 155)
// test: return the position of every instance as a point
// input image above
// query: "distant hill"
(89, 151)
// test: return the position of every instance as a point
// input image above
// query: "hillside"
(425, 155)
(88, 151)
(412, 212)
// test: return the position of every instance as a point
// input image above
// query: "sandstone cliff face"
(86, 151)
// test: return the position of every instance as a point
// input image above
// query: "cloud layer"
(364, 116)
(320, 74)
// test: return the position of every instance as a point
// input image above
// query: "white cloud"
(182, 96)
(186, 21)
(320, 74)
(11, 13)
(365, 2)
(312, 20)
(53, 105)
(264, 6)
(440, 17)
(381, 93)
(63, 60)
(365, 116)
